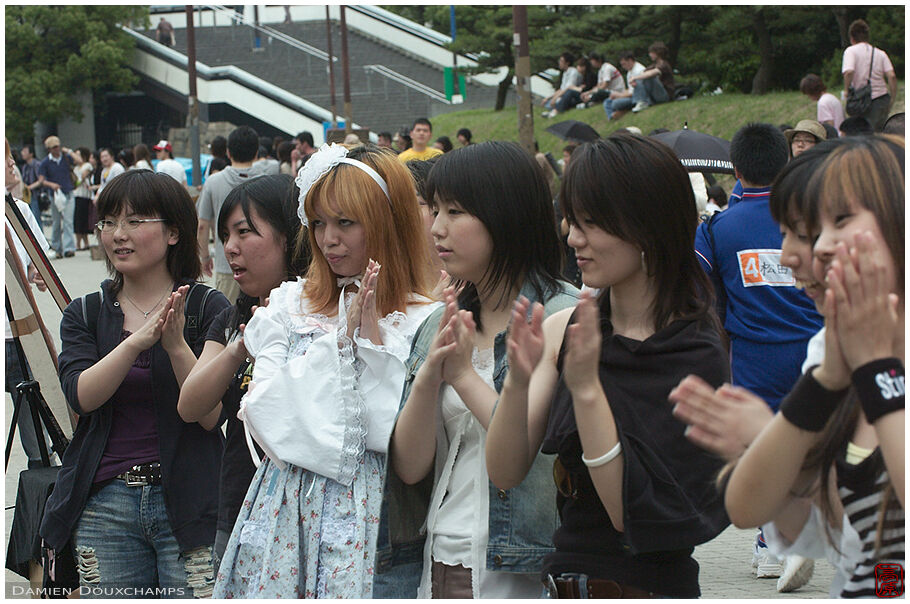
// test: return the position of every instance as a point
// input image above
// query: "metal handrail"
(406, 81)
(280, 36)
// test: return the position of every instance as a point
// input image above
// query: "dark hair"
(627, 55)
(658, 214)
(895, 124)
(305, 137)
(263, 153)
(217, 164)
(811, 85)
(84, 152)
(501, 185)
(568, 57)
(717, 193)
(141, 152)
(265, 143)
(125, 157)
(859, 31)
(759, 151)
(570, 148)
(109, 152)
(830, 131)
(446, 143)
(30, 147)
(465, 133)
(149, 194)
(661, 50)
(422, 121)
(219, 146)
(275, 199)
(420, 170)
(284, 151)
(583, 62)
(243, 144)
(856, 126)
(596, 56)
(386, 135)
(784, 127)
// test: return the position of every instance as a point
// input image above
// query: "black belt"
(142, 475)
(580, 586)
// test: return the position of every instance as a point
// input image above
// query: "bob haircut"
(867, 171)
(145, 193)
(789, 203)
(275, 202)
(604, 182)
(394, 229)
(501, 185)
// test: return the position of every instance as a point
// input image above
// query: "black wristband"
(880, 387)
(809, 405)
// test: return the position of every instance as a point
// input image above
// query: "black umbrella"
(698, 152)
(575, 131)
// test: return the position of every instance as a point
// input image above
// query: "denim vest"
(521, 520)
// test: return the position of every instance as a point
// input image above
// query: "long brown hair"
(394, 230)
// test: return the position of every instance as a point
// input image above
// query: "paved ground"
(725, 561)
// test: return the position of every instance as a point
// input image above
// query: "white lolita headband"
(319, 163)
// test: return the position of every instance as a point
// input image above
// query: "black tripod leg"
(58, 438)
(17, 406)
(39, 432)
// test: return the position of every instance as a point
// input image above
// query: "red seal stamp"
(889, 580)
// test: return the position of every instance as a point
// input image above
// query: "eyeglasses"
(130, 224)
(804, 140)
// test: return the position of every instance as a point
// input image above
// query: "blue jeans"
(64, 221)
(651, 91)
(568, 100)
(613, 105)
(125, 548)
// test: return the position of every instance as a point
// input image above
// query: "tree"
(55, 52)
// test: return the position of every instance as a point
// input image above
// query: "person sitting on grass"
(572, 96)
(656, 85)
(619, 102)
(570, 77)
(609, 79)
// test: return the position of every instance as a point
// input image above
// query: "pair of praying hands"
(450, 356)
(363, 312)
(525, 345)
(166, 324)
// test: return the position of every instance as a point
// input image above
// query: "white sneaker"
(639, 106)
(797, 572)
(764, 564)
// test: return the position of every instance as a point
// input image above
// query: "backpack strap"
(194, 310)
(91, 310)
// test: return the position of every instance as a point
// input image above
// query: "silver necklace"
(146, 313)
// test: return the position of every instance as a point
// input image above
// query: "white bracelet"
(603, 459)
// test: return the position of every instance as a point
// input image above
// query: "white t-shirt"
(571, 77)
(108, 173)
(637, 69)
(610, 74)
(829, 108)
(856, 59)
(172, 168)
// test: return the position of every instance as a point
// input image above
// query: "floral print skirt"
(302, 535)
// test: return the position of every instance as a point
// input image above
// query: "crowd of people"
(395, 389)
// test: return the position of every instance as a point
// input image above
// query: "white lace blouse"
(318, 399)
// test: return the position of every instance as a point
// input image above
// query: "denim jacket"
(521, 520)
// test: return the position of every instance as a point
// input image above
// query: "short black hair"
(446, 143)
(568, 57)
(266, 143)
(895, 124)
(717, 193)
(30, 147)
(218, 146)
(500, 184)
(284, 151)
(830, 131)
(243, 144)
(305, 137)
(387, 135)
(596, 56)
(420, 170)
(465, 133)
(859, 31)
(628, 55)
(856, 126)
(147, 193)
(422, 121)
(217, 164)
(759, 152)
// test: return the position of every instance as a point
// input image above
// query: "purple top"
(133, 438)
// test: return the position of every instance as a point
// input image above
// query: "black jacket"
(190, 455)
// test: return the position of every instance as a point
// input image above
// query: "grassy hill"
(720, 115)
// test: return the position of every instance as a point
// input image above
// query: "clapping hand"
(172, 320)
(363, 312)
(583, 351)
(458, 363)
(525, 342)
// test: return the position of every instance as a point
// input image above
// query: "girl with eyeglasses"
(590, 384)
(136, 496)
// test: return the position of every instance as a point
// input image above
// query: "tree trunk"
(673, 44)
(502, 91)
(840, 13)
(762, 80)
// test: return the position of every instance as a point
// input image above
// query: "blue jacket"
(521, 520)
(190, 456)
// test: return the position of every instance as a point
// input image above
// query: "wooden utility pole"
(523, 77)
(192, 101)
(328, 37)
(345, 75)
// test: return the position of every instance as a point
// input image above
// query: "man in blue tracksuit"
(768, 320)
